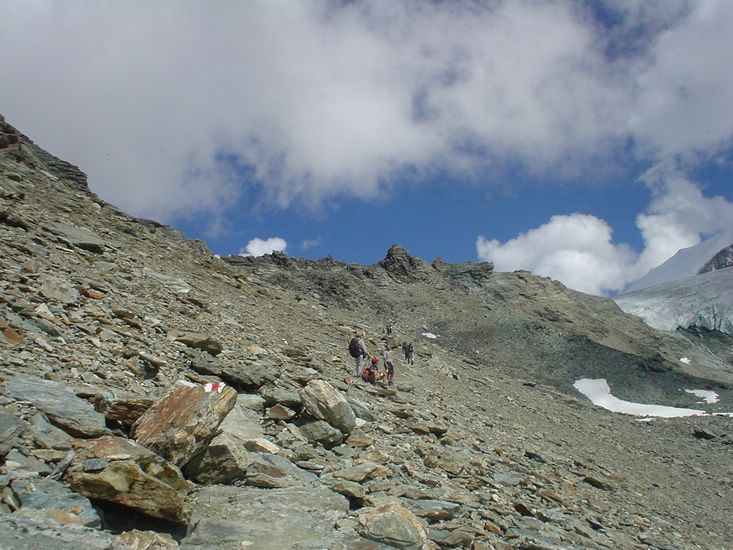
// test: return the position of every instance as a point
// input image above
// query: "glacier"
(704, 301)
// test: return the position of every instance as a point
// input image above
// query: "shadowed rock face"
(722, 260)
(482, 442)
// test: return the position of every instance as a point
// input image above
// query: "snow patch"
(684, 360)
(429, 335)
(600, 394)
(706, 395)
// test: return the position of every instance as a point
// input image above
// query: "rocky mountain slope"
(155, 396)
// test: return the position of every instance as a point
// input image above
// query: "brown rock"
(12, 337)
(393, 525)
(125, 409)
(116, 470)
(183, 422)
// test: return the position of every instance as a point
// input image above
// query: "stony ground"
(482, 443)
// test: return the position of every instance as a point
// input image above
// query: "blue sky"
(585, 141)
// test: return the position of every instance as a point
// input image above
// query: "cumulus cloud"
(576, 249)
(579, 251)
(322, 99)
(260, 247)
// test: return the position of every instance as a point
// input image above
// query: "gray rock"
(49, 435)
(319, 431)
(272, 471)
(19, 529)
(64, 409)
(243, 377)
(16, 460)
(361, 410)
(58, 290)
(226, 458)
(433, 510)
(324, 402)
(196, 340)
(76, 236)
(56, 501)
(274, 395)
(230, 518)
(251, 401)
(10, 428)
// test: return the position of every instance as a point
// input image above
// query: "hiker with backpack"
(358, 350)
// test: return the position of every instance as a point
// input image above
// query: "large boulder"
(64, 409)
(184, 421)
(324, 402)
(266, 519)
(116, 470)
(391, 524)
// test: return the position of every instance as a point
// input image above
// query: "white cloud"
(329, 99)
(307, 244)
(574, 249)
(260, 247)
(578, 249)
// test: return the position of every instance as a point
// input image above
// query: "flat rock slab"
(272, 471)
(64, 409)
(25, 532)
(244, 377)
(183, 422)
(117, 470)
(77, 236)
(55, 500)
(229, 518)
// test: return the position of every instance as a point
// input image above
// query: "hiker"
(388, 365)
(374, 374)
(358, 350)
(408, 350)
(389, 330)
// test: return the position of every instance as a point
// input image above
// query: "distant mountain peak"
(709, 255)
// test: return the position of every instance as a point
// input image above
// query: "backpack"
(354, 347)
(365, 374)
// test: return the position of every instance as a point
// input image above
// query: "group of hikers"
(367, 367)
